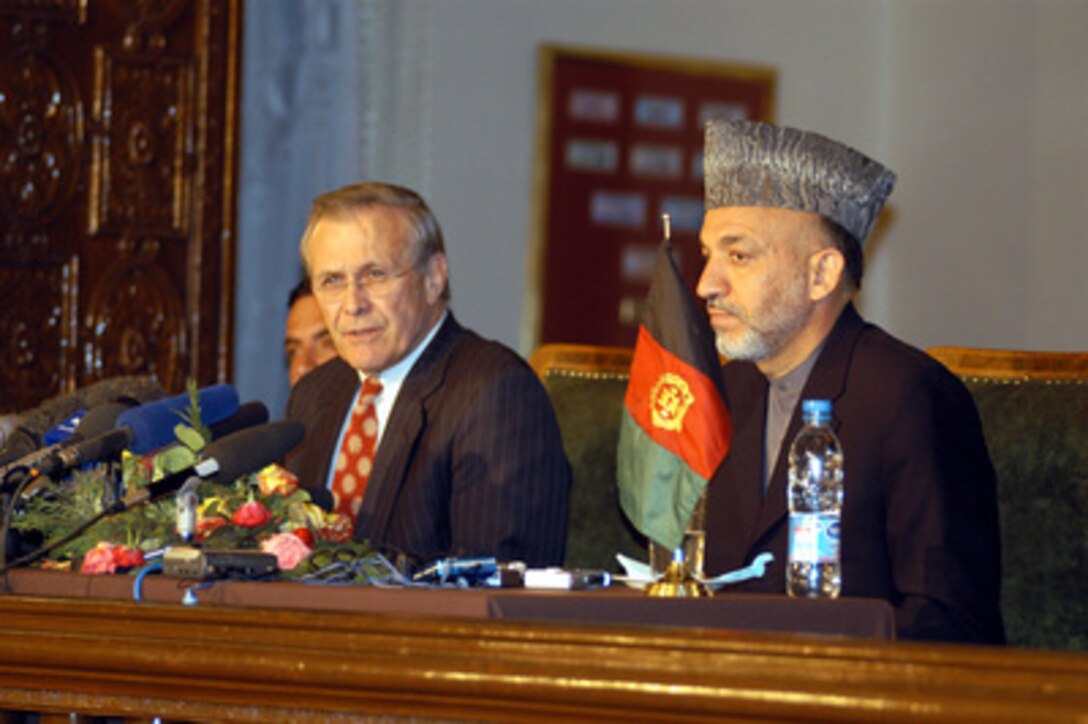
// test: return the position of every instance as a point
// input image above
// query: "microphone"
(64, 430)
(227, 459)
(31, 425)
(321, 497)
(107, 446)
(141, 429)
(97, 421)
(250, 414)
(153, 424)
(20, 442)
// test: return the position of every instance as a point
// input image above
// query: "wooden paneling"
(118, 121)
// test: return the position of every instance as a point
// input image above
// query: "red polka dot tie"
(356, 456)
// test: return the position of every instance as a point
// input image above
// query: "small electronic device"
(196, 564)
(471, 572)
(566, 580)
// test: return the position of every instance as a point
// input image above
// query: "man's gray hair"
(425, 233)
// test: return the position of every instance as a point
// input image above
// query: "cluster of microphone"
(120, 417)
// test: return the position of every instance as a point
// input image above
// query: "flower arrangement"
(266, 510)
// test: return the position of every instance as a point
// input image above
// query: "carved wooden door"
(118, 121)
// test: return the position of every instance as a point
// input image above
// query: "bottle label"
(814, 537)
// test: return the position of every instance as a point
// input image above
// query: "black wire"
(53, 545)
(68, 538)
(9, 501)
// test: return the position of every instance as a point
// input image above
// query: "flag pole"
(681, 578)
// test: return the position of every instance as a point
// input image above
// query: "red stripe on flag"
(678, 406)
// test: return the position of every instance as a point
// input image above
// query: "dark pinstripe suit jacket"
(919, 520)
(471, 462)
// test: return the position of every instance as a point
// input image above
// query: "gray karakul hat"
(747, 163)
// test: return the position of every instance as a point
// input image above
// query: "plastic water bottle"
(814, 567)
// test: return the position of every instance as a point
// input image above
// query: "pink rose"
(251, 515)
(99, 560)
(288, 549)
(107, 558)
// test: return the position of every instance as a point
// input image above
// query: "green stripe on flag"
(658, 492)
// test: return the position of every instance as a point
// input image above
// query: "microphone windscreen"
(250, 414)
(18, 444)
(134, 389)
(321, 497)
(35, 423)
(153, 424)
(107, 446)
(100, 419)
(53, 411)
(251, 449)
(100, 448)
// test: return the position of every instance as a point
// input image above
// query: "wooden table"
(94, 655)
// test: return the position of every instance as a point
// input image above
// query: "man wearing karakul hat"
(786, 214)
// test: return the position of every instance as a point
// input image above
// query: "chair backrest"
(1034, 410)
(587, 385)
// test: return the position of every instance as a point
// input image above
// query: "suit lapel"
(333, 397)
(735, 496)
(403, 431)
(827, 381)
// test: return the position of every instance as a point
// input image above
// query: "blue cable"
(137, 585)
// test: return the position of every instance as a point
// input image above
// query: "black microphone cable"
(52, 545)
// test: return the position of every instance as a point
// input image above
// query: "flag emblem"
(670, 400)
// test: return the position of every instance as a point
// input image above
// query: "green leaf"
(175, 459)
(189, 437)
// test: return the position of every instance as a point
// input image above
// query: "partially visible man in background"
(306, 340)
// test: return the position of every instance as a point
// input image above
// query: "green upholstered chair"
(587, 385)
(1034, 409)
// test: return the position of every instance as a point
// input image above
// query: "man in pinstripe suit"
(469, 459)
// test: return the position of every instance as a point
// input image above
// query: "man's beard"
(769, 328)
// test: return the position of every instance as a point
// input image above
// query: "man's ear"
(434, 277)
(825, 268)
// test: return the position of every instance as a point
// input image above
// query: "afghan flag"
(676, 428)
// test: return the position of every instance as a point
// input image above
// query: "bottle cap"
(822, 407)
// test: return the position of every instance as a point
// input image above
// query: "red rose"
(338, 528)
(251, 515)
(305, 536)
(128, 557)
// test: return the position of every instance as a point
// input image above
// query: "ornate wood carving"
(42, 117)
(134, 321)
(117, 142)
(142, 113)
(37, 312)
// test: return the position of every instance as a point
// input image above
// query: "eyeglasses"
(375, 281)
